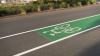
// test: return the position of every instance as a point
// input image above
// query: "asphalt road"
(86, 44)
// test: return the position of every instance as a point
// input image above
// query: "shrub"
(51, 5)
(22, 10)
(11, 9)
(56, 4)
(30, 7)
(44, 7)
(85, 2)
(92, 1)
(63, 5)
(7, 11)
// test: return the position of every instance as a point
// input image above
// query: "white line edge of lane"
(45, 27)
(53, 42)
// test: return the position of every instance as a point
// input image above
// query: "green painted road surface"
(68, 28)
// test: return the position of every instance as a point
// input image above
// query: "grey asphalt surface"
(86, 44)
(77, 46)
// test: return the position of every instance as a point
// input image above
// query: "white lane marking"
(53, 42)
(45, 27)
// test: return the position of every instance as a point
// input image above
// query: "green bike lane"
(69, 28)
(59, 32)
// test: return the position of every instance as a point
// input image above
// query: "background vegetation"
(41, 5)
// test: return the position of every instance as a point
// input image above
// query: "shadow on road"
(93, 50)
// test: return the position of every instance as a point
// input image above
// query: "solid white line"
(45, 27)
(53, 42)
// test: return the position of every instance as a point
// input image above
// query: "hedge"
(41, 6)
